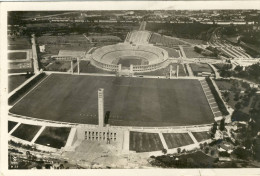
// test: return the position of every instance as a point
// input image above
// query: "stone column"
(119, 67)
(78, 65)
(177, 71)
(101, 107)
(170, 71)
(131, 68)
(71, 63)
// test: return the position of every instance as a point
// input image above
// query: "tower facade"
(101, 107)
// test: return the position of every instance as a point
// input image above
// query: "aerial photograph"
(133, 89)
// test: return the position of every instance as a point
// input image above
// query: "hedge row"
(19, 93)
(219, 101)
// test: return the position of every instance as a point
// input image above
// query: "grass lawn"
(145, 142)
(26, 132)
(54, 137)
(174, 140)
(171, 52)
(165, 40)
(165, 71)
(190, 53)
(201, 136)
(86, 67)
(59, 66)
(132, 101)
(104, 38)
(16, 80)
(223, 84)
(11, 125)
(16, 55)
(200, 67)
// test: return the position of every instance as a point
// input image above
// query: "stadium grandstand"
(138, 37)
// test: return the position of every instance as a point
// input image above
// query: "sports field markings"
(31, 90)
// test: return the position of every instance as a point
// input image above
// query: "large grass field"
(145, 142)
(16, 80)
(26, 132)
(131, 101)
(54, 137)
(174, 140)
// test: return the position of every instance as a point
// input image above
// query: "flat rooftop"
(131, 101)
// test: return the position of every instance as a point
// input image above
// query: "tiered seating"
(139, 37)
(109, 53)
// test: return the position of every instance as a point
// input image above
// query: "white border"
(105, 5)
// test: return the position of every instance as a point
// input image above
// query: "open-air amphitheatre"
(134, 113)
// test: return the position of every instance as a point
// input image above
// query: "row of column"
(100, 135)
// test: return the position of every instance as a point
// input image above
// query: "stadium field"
(174, 140)
(131, 101)
(127, 61)
(145, 142)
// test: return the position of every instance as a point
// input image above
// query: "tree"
(241, 153)
(238, 68)
(222, 125)
(201, 146)
(214, 129)
(212, 152)
(179, 150)
(207, 150)
(164, 151)
(237, 105)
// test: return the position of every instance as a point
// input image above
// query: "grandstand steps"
(227, 52)
(232, 52)
(241, 52)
